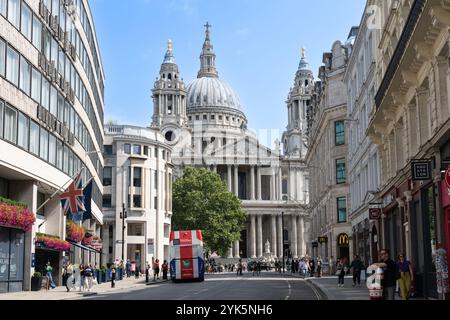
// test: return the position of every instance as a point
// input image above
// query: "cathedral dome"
(208, 92)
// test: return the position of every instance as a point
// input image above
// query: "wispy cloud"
(185, 6)
(243, 32)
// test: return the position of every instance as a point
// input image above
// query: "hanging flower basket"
(75, 233)
(52, 242)
(87, 241)
(16, 215)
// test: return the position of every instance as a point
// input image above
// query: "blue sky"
(257, 42)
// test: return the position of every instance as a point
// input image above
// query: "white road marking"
(290, 291)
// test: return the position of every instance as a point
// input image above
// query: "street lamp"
(123, 216)
(282, 237)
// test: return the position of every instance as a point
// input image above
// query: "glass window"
(23, 132)
(25, 75)
(107, 176)
(55, 7)
(43, 152)
(14, 12)
(61, 60)
(136, 149)
(3, 7)
(26, 21)
(1, 118)
(342, 209)
(37, 33)
(108, 149)
(46, 37)
(10, 124)
(2, 57)
(72, 120)
(127, 148)
(45, 93)
(59, 154)
(66, 113)
(340, 171)
(60, 108)
(52, 149)
(137, 201)
(137, 176)
(339, 132)
(70, 163)
(53, 101)
(12, 66)
(36, 85)
(54, 51)
(34, 138)
(66, 159)
(107, 201)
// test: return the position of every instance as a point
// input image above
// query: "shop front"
(343, 247)
(12, 257)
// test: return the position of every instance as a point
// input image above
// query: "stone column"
(280, 184)
(237, 255)
(236, 181)
(300, 236)
(260, 238)
(258, 185)
(274, 236)
(273, 184)
(252, 183)
(215, 168)
(294, 236)
(280, 237)
(253, 236)
(230, 186)
(230, 252)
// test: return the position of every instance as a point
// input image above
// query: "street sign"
(375, 211)
(447, 177)
(120, 241)
(322, 239)
(421, 170)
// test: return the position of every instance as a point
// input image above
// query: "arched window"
(164, 75)
(306, 83)
(169, 76)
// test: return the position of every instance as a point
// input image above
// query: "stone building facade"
(326, 159)
(363, 160)
(206, 126)
(138, 176)
(411, 122)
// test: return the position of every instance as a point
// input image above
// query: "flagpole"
(59, 189)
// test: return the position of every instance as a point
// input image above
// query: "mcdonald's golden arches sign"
(343, 239)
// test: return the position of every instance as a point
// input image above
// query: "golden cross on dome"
(169, 44)
(303, 52)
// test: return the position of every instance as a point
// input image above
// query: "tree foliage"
(201, 201)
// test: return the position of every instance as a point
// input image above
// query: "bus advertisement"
(187, 258)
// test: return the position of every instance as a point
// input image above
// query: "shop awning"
(84, 247)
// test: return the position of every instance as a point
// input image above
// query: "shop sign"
(390, 198)
(445, 194)
(323, 239)
(96, 244)
(421, 170)
(343, 239)
(447, 177)
(375, 211)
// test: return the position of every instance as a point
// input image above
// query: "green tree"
(201, 201)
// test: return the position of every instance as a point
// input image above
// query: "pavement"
(60, 293)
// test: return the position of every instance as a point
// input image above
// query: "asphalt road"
(269, 286)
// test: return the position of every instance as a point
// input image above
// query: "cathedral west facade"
(206, 127)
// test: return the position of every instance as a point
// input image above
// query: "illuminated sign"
(343, 239)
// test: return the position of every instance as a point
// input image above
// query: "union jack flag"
(72, 198)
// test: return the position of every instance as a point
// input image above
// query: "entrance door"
(12, 254)
(42, 257)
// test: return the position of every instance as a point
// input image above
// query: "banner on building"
(421, 170)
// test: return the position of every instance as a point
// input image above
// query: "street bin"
(108, 275)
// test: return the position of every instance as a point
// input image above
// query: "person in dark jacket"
(113, 276)
(356, 267)
(390, 271)
(165, 269)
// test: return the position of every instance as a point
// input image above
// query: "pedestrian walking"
(406, 276)
(331, 265)
(68, 271)
(132, 267)
(341, 270)
(156, 270)
(319, 267)
(239, 268)
(390, 275)
(147, 272)
(113, 276)
(312, 267)
(128, 268)
(82, 277)
(88, 276)
(165, 269)
(48, 273)
(356, 267)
